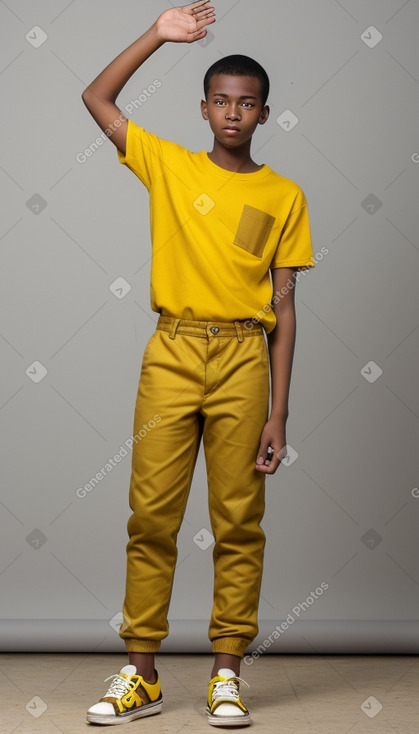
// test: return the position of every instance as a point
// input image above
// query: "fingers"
(269, 467)
(202, 23)
(200, 8)
(203, 20)
(206, 16)
(197, 4)
(268, 460)
(264, 456)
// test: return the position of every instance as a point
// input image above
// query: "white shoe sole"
(147, 710)
(215, 720)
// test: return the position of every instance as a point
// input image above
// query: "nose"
(233, 113)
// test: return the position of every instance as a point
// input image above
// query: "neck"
(237, 160)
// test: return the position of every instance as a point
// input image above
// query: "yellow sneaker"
(224, 706)
(129, 697)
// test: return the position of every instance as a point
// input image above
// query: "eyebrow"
(243, 96)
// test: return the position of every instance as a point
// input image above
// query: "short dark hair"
(238, 65)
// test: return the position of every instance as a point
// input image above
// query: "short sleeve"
(294, 246)
(143, 153)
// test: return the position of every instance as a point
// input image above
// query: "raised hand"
(186, 23)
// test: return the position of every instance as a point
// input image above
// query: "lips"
(232, 129)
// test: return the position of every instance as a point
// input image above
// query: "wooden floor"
(288, 694)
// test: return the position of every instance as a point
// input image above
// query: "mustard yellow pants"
(206, 380)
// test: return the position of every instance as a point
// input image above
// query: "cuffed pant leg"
(235, 412)
(162, 467)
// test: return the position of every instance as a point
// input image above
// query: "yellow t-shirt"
(215, 233)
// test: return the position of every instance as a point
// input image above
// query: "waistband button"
(214, 329)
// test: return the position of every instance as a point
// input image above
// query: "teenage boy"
(222, 226)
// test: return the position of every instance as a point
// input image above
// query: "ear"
(204, 109)
(264, 115)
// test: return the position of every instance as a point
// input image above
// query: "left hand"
(273, 436)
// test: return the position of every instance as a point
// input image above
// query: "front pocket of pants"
(146, 352)
(254, 229)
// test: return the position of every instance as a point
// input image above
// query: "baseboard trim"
(191, 636)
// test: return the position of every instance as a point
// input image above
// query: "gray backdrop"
(341, 570)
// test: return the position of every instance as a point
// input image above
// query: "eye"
(219, 100)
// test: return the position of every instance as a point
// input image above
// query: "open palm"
(187, 23)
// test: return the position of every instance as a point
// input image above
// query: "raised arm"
(182, 24)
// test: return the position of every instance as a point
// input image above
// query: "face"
(234, 108)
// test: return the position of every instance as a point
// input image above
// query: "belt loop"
(173, 328)
(239, 330)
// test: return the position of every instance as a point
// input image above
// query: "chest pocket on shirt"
(254, 229)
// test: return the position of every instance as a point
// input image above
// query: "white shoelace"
(227, 689)
(119, 686)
